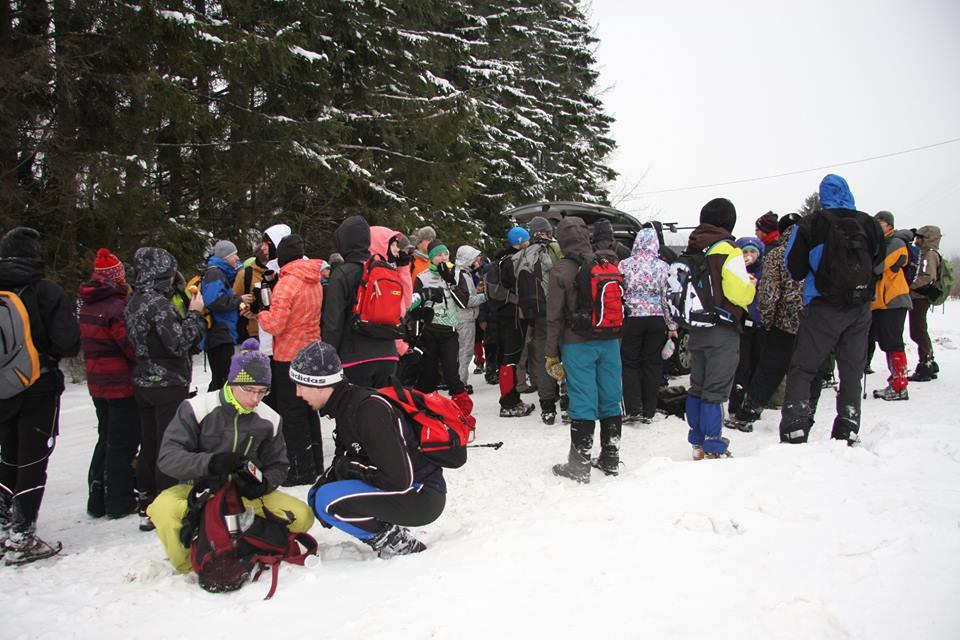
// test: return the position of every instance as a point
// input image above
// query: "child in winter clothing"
(753, 336)
(421, 240)
(224, 306)
(715, 350)
(30, 419)
(468, 259)
(590, 366)
(833, 320)
(293, 320)
(646, 328)
(162, 340)
(890, 307)
(213, 436)
(928, 239)
(441, 297)
(109, 360)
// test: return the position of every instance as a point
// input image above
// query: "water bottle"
(668, 348)
(265, 293)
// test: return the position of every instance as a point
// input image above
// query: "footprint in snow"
(702, 523)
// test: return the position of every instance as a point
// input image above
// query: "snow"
(312, 56)
(812, 541)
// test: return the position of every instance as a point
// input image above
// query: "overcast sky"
(710, 92)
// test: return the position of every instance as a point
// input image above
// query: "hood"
(98, 288)
(573, 236)
(380, 238)
(931, 237)
(835, 193)
(707, 235)
(646, 245)
(224, 266)
(904, 234)
(304, 269)
(466, 255)
(352, 239)
(277, 232)
(154, 266)
(17, 272)
(603, 234)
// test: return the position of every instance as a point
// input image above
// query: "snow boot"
(846, 425)
(143, 501)
(698, 453)
(491, 377)
(609, 459)
(468, 388)
(796, 421)
(923, 373)
(577, 466)
(96, 500)
(548, 412)
(395, 541)
(518, 410)
(746, 415)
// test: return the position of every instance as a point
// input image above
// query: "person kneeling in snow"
(378, 482)
(213, 436)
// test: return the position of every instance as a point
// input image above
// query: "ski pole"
(490, 445)
(864, 383)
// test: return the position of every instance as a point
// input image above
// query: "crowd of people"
(560, 308)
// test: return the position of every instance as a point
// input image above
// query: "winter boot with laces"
(890, 394)
(395, 541)
(577, 466)
(924, 372)
(748, 413)
(22, 544)
(609, 459)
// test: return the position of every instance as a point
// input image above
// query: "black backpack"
(530, 272)
(845, 275)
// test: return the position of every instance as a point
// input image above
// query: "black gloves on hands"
(347, 469)
(225, 463)
(435, 295)
(447, 273)
(249, 487)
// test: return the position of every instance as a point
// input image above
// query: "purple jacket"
(645, 277)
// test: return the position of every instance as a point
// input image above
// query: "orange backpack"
(19, 359)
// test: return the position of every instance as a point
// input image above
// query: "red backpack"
(230, 541)
(444, 431)
(378, 310)
(599, 312)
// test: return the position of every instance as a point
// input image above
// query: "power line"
(788, 173)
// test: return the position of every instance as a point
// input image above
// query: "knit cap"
(316, 365)
(751, 242)
(249, 366)
(540, 225)
(109, 266)
(435, 248)
(291, 248)
(885, 216)
(224, 249)
(20, 242)
(719, 212)
(423, 233)
(517, 236)
(767, 223)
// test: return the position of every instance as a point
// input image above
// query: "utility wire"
(789, 173)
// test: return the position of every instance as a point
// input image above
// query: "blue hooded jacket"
(218, 298)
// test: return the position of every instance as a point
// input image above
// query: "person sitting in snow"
(214, 436)
(378, 483)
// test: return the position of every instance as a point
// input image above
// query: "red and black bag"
(231, 544)
(378, 310)
(599, 312)
(443, 429)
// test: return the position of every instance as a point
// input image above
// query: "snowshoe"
(395, 541)
(549, 417)
(518, 410)
(24, 547)
(890, 395)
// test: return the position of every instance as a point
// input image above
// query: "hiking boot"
(143, 501)
(717, 456)
(468, 388)
(934, 367)
(478, 370)
(923, 373)
(491, 377)
(395, 541)
(631, 418)
(23, 546)
(890, 395)
(741, 425)
(96, 504)
(697, 452)
(518, 410)
(549, 417)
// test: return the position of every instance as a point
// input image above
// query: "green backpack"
(943, 285)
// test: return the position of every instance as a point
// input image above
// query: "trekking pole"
(490, 445)
(864, 383)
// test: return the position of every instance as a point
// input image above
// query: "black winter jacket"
(376, 443)
(53, 321)
(161, 339)
(352, 239)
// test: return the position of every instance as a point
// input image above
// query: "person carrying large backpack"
(379, 482)
(163, 341)
(214, 436)
(921, 289)
(224, 307)
(584, 318)
(38, 328)
(725, 289)
(837, 252)
(368, 360)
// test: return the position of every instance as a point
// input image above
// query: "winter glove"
(447, 274)
(225, 463)
(435, 295)
(249, 487)
(345, 468)
(555, 368)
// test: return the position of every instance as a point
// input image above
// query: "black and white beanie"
(317, 365)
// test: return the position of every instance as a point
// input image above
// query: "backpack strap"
(248, 279)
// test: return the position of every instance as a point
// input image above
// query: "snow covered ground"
(814, 541)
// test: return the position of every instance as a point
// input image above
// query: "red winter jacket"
(108, 355)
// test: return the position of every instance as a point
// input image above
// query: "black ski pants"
(111, 467)
(772, 366)
(301, 429)
(374, 374)
(157, 406)
(642, 339)
(219, 359)
(356, 503)
(441, 354)
(510, 338)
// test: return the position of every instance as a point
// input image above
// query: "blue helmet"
(517, 235)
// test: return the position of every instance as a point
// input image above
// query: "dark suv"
(625, 228)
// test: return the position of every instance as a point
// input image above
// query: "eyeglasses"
(263, 392)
